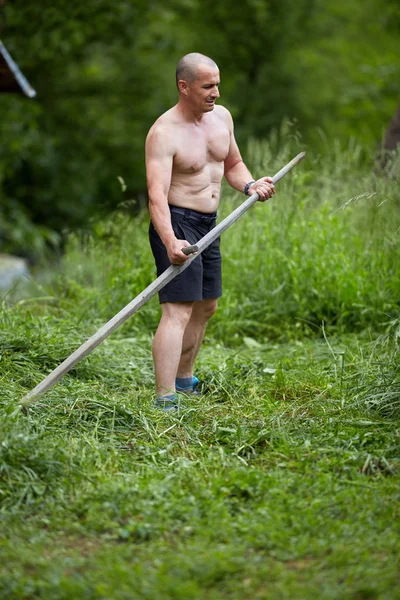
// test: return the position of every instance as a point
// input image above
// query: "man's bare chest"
(196, 149)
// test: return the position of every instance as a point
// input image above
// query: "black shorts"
(202, 279)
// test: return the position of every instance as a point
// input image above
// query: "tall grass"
(324, 249)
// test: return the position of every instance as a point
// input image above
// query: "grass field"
(282, 480)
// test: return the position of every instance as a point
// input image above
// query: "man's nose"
(215, 92)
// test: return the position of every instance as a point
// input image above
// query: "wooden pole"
(150, 291)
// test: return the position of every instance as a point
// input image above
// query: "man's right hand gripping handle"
(176, 253)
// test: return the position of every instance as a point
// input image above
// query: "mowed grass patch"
(282, 481)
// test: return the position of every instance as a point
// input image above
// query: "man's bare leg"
(194, 334)
(167, 344)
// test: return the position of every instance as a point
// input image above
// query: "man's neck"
(189, 114)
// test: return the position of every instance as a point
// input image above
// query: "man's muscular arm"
(159, 160)
(238, 175)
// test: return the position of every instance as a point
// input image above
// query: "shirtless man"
(188, 151)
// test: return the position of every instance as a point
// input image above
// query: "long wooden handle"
(144, 296)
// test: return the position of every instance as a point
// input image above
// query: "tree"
(104, 73)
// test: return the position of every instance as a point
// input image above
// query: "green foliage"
(352, 46)
(325, 252)
(103, 75)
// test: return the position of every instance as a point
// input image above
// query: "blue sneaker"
(166, 403)
(190, 389)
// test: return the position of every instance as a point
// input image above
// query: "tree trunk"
(392, 136)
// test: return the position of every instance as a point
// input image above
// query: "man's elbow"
(157, 196)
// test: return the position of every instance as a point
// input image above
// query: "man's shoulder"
(223, 113)
(165, 121)
(160, 138)
(162, 130)
(222, 110)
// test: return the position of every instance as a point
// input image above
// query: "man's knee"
(177, 313)
(206, 308)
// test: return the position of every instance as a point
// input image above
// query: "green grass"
(282, 480)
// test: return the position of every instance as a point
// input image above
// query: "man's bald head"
(187, 68)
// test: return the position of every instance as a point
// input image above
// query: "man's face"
(203, 92)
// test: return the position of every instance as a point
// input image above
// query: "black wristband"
(246, 188)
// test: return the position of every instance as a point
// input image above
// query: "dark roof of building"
(11, 78)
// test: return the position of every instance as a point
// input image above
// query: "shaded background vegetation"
(104, 73)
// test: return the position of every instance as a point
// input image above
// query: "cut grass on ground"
(280, 482)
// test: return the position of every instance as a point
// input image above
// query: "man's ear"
(183, 87)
